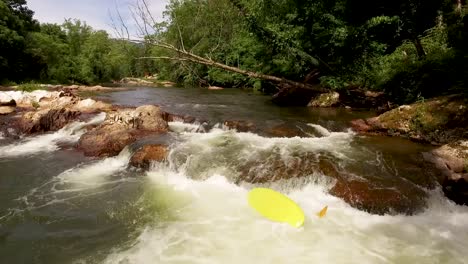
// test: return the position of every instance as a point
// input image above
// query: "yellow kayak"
(276, 206)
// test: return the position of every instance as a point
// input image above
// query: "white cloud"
(95, 13)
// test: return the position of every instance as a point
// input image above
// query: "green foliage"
(29, 87)
(68, 53)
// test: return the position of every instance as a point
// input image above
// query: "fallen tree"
(149, 29)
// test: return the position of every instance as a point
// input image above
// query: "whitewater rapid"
(196, 211)
(50, 142)
(211, 221)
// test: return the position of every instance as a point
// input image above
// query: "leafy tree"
(16, 21)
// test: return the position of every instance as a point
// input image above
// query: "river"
(58, 206)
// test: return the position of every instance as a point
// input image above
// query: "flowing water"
(57, 206)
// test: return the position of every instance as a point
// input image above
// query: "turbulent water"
(57, 206)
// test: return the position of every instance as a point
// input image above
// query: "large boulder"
(148, 154)
(371, 196)
(440, 120)
(367, 196)
(107, 140)
(46, 120)
(122, 127)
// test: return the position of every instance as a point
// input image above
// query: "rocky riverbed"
(46, 111)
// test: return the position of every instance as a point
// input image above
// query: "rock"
(240, 126)
(46, 120)
(5, 110)
(215, 88)
(121, 128)
(105, 141)
(439, 120)
(454, 160)
(58, 102)
(284, 130)
(148, 154)
(456, 190)
(6, 99)
(11, 102)
(404, 108)
(90, 105)
(168, 117)
(167, 84)
(361, 126)
(360, 98)
(325, 100)
(374, 199)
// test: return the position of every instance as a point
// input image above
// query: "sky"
(96, 13)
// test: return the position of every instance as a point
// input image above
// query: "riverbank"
(442, 122)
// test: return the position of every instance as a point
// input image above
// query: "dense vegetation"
(69, 53)
(408, 48)
(411, 49)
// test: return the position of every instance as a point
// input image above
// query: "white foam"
(96, 173)
(49, 142)
(179, 127)
(320, 129)
(214, 224)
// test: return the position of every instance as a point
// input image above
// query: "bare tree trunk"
(190, 57)
(419, 48)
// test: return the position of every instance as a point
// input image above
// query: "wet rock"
(361, 126)
(168, 117)
(439, 120)
(57, 102)
(90, 105)
(240, 126)
(121, 128)
(284, 130)
(378, 200)
(148, 154)
(6, 110)
(325, 100)
(454, 158)
(456, 189)
(106, 141)
(46, 120)
(274, 167)
(215, 88)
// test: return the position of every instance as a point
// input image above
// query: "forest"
(411, 49)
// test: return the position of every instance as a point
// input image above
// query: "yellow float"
(276, 206)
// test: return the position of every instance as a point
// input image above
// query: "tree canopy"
(408, 48)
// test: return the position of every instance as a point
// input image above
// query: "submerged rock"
(378, 199)
(121, 128)
(148, 154)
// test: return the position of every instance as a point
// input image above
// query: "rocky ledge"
(442, 122)
(121, 128)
